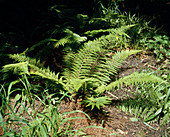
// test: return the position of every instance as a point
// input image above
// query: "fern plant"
(97, 102)
(88, 71)
(69, 38)
(118, 34)
(150, 103)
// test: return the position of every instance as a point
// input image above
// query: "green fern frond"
(147, 107)
(97, 102)
(82, 61)
(92, 61)
(94, 65)
(85, 60)
(44, 73)
(30, 66)
(104, 69)
(143, 108)
(40, 43)
(62, 42)
(135, 78)
(119, 31)
(69, 38)
(17, 68)
(23, 58)
(68, 63)
(139, 107)
(75, 84)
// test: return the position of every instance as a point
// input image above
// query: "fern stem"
(82, 63)
(94, 64)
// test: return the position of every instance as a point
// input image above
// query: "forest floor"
(114, 120)
(117, 121)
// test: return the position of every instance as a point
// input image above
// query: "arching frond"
(135, 78)
(40, 43)
(119, 31)
(23, 58)
(147, 107)
(30, 66)
(69, 38)
(93, 61)
(17, 68)
(139, 107)
(44, 73)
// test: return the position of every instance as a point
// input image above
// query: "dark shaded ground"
(115, 121)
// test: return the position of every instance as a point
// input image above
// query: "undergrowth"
(31, 114)
(91, 59)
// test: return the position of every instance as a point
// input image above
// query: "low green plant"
(51, 123)
(158, 44)
(5, 95)
(150, 103)
(165, 134)
(68, 39)
(36, 125)
(29, 118)
(88, 71)
(97, 102)
(110, 16)
(120, 36)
